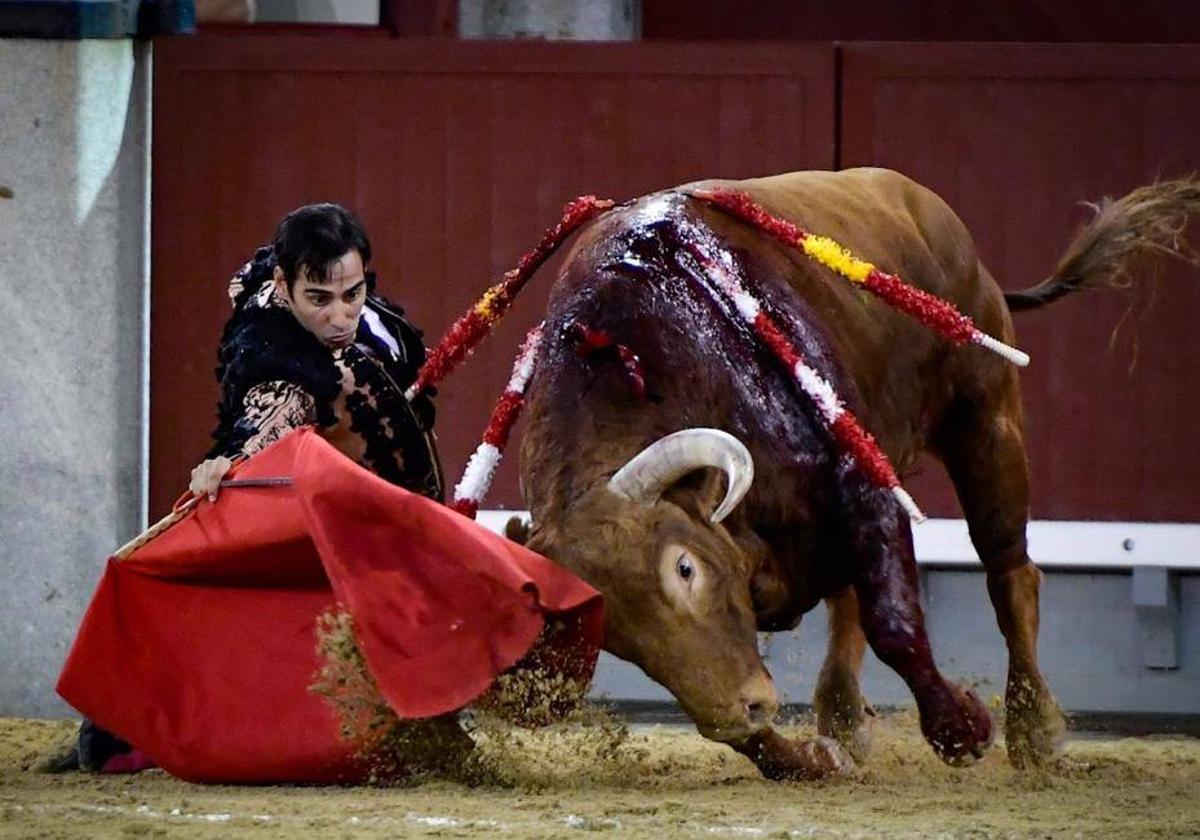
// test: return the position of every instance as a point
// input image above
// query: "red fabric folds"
(199, 649)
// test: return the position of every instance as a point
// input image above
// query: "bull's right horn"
(665, 461)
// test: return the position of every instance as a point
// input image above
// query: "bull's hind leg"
(983, 448)
(841, 710)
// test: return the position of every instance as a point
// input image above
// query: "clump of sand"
(533, 694)
(547, 685)
(391, 750)
(27, 747)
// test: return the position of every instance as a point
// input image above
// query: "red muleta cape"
(200, 647)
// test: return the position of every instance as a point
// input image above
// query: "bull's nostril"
(757, 712)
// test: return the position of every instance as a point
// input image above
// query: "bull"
(676, 466)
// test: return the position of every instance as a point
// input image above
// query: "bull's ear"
(517, 529)
(770, 591)
(699, 492)
(772, 601)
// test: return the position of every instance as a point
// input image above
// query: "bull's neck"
(649, 286)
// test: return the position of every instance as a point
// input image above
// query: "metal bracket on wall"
(1156, 610)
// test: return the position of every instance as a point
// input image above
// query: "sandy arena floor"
(651, 781)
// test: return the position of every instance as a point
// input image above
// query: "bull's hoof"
(853, 735)
(1034, 728)
(958, 727)
(781, 759)
(842, 713)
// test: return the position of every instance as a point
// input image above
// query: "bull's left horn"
(665, 461)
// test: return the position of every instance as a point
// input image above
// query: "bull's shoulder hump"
(869, 184)
(861, 190)
(870, 192)
(844, 179)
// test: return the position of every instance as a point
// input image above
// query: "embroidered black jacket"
(277, 376)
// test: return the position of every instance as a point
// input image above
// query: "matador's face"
(328, 308)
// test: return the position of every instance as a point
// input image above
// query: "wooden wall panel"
(1014, 137)
(456, 155)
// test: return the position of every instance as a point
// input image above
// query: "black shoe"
(96, 746)
(62, 759)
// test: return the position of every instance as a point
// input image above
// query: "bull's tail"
(1150, 219)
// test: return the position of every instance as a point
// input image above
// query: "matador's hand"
(206, 478)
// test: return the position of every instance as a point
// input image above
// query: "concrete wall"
(73, 234)
(358, 12)
(1091, 647)
(575, 20)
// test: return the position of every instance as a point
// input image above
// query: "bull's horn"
(665, 461)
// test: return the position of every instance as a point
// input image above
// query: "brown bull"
(688, 584)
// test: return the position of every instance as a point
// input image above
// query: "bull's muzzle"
(752, 710)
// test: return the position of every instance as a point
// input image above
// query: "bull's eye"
(684, 566)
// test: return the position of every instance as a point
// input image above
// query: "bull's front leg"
(784, 759)
(841, 710)
(953, 720)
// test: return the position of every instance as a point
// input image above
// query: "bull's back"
(889, 220)
(905, 375)
(896, 372)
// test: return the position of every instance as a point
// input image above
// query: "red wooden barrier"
(455, 154)
(1013, 137)
(458, 154)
